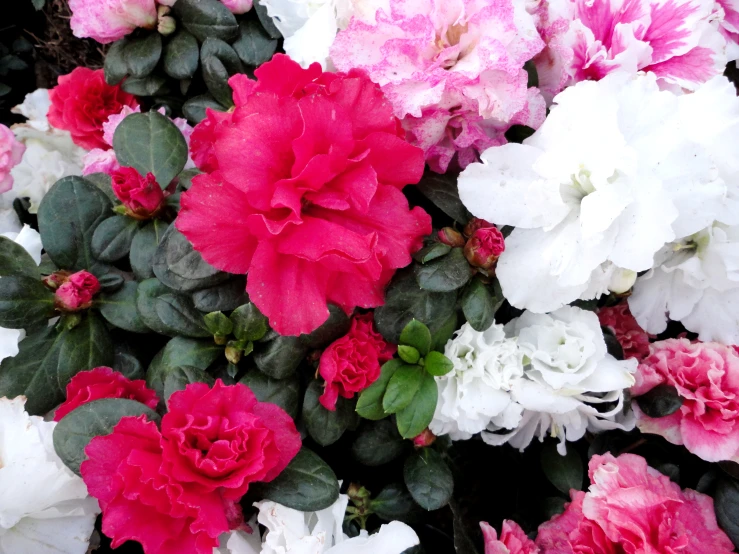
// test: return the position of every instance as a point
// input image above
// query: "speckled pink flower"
(512, 539)
(678, 40)
(452, 68)
(729, 27)
(109, 20)
(11, 152)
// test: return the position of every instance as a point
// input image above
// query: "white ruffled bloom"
(617, 170)
(293, 532)
(29, 239)
(486, 364)
(44, 507)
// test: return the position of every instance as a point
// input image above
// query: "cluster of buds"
(483, 243)
(72, 291)
(142, 197)
(166, 24)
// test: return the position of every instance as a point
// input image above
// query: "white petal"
(393, 538)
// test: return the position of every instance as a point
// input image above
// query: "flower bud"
(474, 224)
(621, 281)
(426, 438)
(142, 196)
(484, 247)
(233, 354)
(451, 237)
(56, 280)
(77, 293)
(167, 25)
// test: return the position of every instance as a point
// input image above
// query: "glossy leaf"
(429, 479)
(119, 308)
(444, 274)
(112, 239)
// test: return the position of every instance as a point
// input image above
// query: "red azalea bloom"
(633, 339)
(142, 196)
(352, 363)
(82, 102)
(104, 382)
(302, 192)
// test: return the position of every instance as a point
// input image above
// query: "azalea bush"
(375, 277)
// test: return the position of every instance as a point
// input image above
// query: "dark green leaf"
(180, 267)
(248, 323)
(116, 67)
(144, 247)
(401, 388)
(325, 426)
(564, 472)
(307, 484)
(126, 361)
(177, 353)
(463, 543)
(552, 506)
(661, 401)
(417, 335)
(414, 418)
(726, 501)
(409, 354)
(378, 443)
(444, 332)
(254, 46)
(283, 392)
(68, 216)
(369, 404)
(195, 108)
(146, 295)
(112, 239)
(111, 282)
(442, 191)
(337, 325)
(445, 274)
(225, 297)
(219, 61)
(75, 430)
(103, 182)
(394, 503)
(39, 4)
(479, 305)
(119, 308)
(151, 85)
(184, 179)
(177, 312)
(151, 143)
(432, 252)
(207, 18)
(142, 54)
(177, 378)
(266, 20)
(181, 55)
(24, 302)
(4, 89)
(437, 364)
(428, 479)
(14, 260)
(279, 358)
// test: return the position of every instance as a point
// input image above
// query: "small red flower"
(104, 382)
(484, 247)
(142, 196)
(77, 292)
(82, 102)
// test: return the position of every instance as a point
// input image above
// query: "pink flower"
(315, 213)
(352, 363)
(484, 247)
(116, 119)
(706, 376)
(633, 339)
(730, 27)
(675, 39)
(453, 70)
(142, 196)
(103, 382)
(632, 508)
(109, 20)
(11, 152)
(100, 161)
(77, 292)
(512, 539)
(238, 6)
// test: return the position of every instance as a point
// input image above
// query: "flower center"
(448, 55)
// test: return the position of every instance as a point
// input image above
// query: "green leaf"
(726, 502)
(325, 426)
(144, 247)
(285, 393)
(24, 302)
(111, 282)
(432, 252)
(219, 61)
(151, 85)
(146, 295)
(266, 21)
(479, 306)
(463, 543)
(39, 4)
(394, 503)
(429, 479)
(119, 308)
(280, 358)
(116, 67)
(207, 18)
(218, 323)
(445, 274)
(442, 191)
(126, 361)
(444, 332)
(248, 323)
(254, 46)
(180, 267)
(405, 301)
(177, 378)
(337, 325)
(661, 401)
(414, 418)
(180, 352)
(195, 108)
(224, 297)
(378, 443)
(151, 143)
(112, 239)
(103, 182)
(67, 217)
(409, 354)
(564, 472)
(307, 484)
(401, 388)
(437, 364)
(369, 404)
(142, 54)
(181, 55)
(177, 312)
(94, 419)
(417, 335)
(15, 260)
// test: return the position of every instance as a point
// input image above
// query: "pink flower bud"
(142, 196)
(56, 280)
(451, 237)
(86, 281)
(474, 224)
(426, 438)
(77, 293)
(484, 247)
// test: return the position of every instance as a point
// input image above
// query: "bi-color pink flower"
(11, 152)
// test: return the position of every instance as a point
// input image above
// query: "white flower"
(486, 364)
(241, 542)
(697, 283)
(293, 532)
(29, 239)
(44, 507)
(35, 106)
(617, 170)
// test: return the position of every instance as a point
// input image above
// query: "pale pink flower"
(706, 376)
(114, 120)
(729, 27)
(238, 6)
(452, 68)
(110, 20)
(631, 507)
(11, 152)
(512, 539)
(100, 161)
